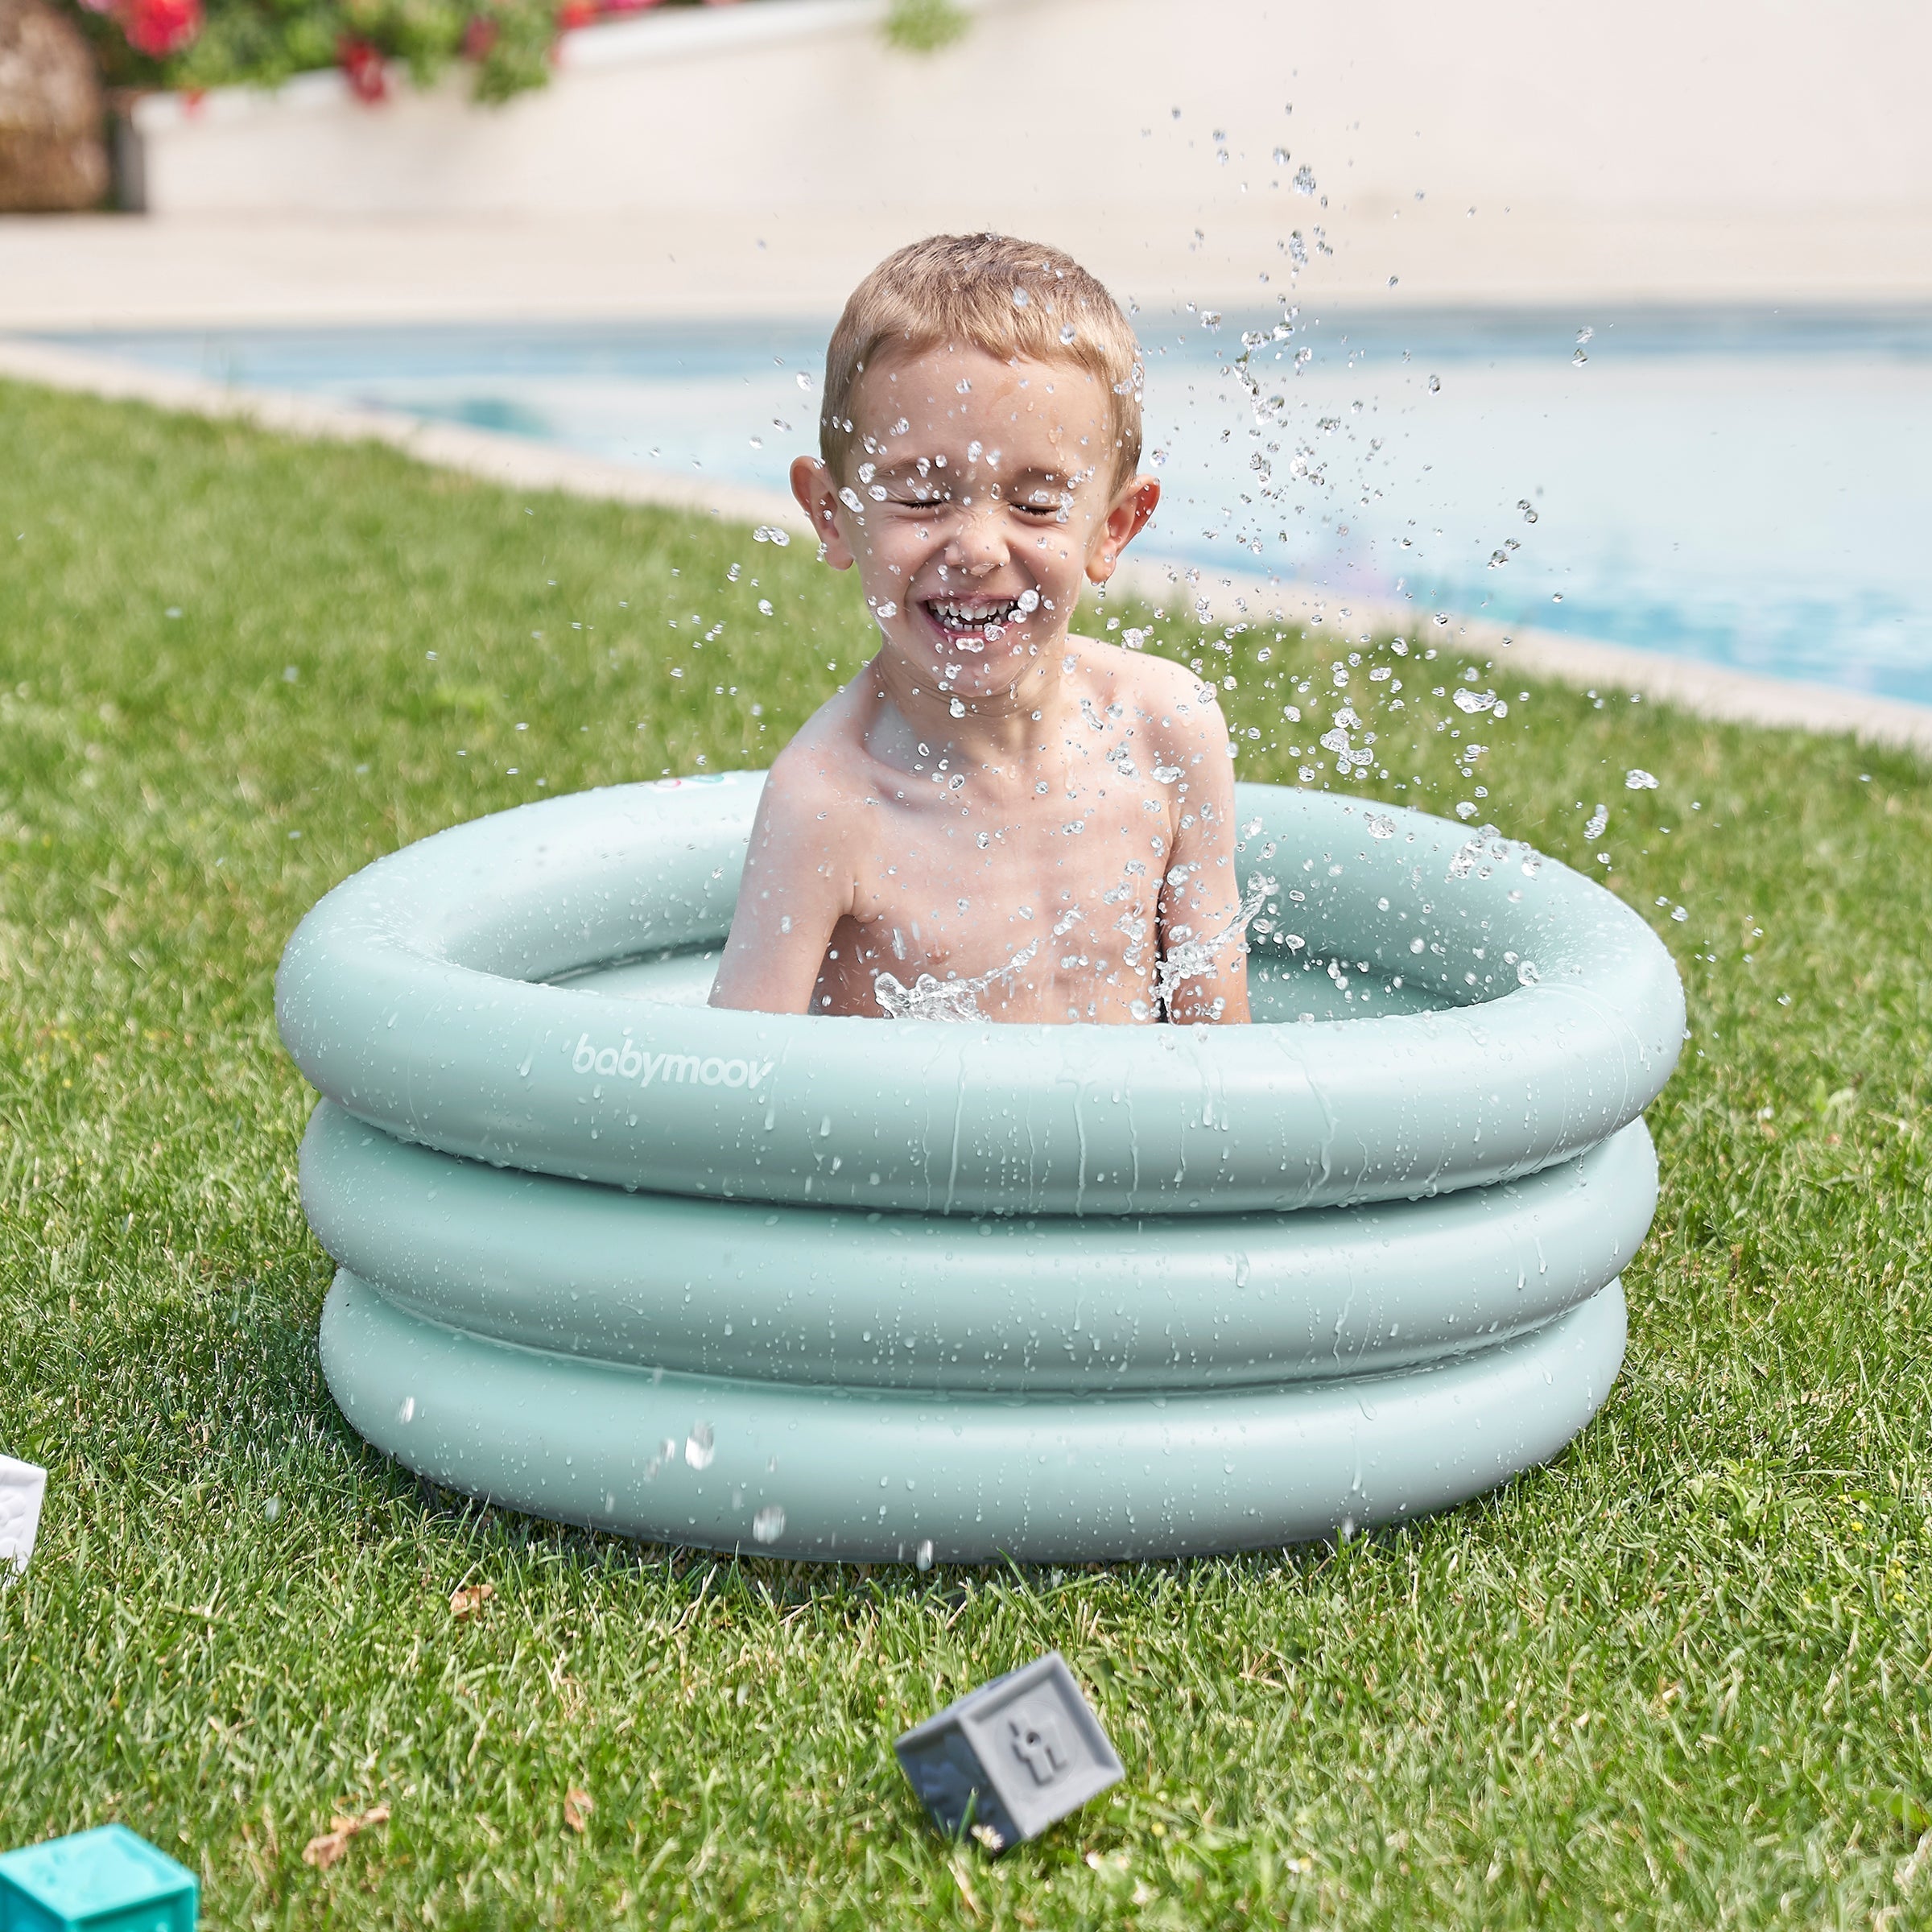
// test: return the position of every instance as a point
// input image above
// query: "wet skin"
(990, 799)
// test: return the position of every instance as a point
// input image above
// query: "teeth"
(973, 616)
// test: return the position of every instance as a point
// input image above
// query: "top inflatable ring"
(528, 991)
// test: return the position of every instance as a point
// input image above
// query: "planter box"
(684, 109)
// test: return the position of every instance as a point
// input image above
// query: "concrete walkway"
(758, 160)
(1705, 690)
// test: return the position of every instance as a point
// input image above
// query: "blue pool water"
(1747, 488)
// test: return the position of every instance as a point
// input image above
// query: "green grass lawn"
(1679, 1678)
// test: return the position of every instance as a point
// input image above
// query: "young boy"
(995, 819)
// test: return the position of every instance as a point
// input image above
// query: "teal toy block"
(104, 1880)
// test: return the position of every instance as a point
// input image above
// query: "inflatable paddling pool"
(868, 1289)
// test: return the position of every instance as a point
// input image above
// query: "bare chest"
(1044, 909)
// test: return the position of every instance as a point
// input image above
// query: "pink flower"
(160, 27)
(362, 65)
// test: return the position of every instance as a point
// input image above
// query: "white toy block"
(22, 1487)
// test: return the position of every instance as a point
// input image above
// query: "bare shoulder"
(1169, 703)
(814, 776)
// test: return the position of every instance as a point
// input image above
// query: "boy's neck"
(1001, 731)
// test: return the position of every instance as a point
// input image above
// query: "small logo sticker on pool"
(630, 1062)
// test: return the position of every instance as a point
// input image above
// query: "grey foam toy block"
(1011, 1757)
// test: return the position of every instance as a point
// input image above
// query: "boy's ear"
(817, 491)
(1123, 523)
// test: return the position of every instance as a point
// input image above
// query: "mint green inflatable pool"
(893, 1290)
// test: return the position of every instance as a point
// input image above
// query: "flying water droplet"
(768, 1525)
(699, 1446)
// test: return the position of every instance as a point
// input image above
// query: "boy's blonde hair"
(1007, 298)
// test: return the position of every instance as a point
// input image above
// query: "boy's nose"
(976, 546)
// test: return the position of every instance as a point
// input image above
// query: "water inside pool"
(1286, 992)
(1747, 488)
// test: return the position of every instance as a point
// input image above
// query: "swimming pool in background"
(1745, 488)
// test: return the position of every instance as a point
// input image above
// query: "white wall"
(1735, 146)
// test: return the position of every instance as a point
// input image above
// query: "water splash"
(930, 998)
(1189, 958)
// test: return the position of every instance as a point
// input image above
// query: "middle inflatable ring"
(843, 1298)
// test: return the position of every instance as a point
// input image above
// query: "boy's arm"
(1200, 903)
(794, 892)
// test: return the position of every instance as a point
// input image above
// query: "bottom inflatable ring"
(873, 1475)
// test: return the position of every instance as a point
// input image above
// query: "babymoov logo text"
(630, 1062)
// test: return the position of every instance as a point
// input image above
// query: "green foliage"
(922, 26)
(264, 42)
(1678, 1679)
(506, 44)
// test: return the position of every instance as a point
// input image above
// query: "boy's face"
(980, 496)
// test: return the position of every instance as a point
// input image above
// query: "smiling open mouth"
(973, 619)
